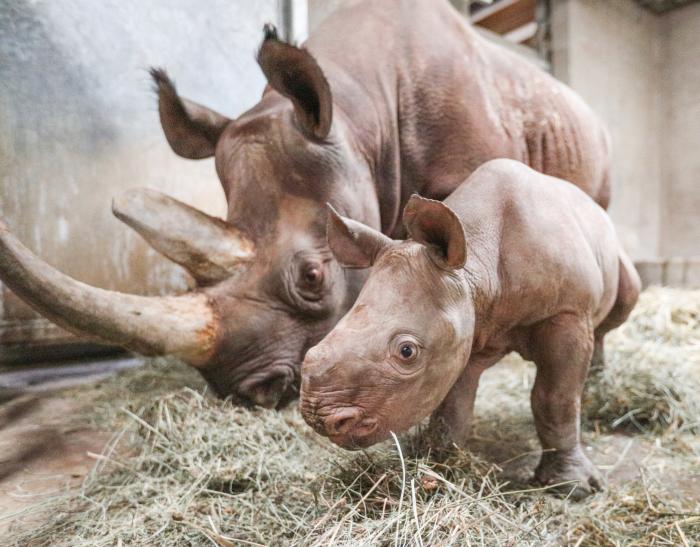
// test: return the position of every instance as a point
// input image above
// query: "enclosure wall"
(79, 124)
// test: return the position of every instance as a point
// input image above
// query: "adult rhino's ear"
(192, 130)
(294, 73)
(354, 244)
(435, 225)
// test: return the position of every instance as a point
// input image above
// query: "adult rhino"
(385, 100)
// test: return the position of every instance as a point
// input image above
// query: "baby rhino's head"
(392, 359)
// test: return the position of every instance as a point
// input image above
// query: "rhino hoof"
(569, 473)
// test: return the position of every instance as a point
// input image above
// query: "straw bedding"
(187, 469)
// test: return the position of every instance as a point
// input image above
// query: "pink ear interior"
(294, 73)
(435, 225)
(353, 244)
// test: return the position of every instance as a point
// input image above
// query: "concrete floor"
(42, 376)
(41, 452)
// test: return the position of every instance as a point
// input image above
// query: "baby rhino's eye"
(408, 351)
(404, 348)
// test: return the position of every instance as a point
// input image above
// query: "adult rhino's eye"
(312, 275)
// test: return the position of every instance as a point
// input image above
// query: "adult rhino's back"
(450, 100)
(558, 133)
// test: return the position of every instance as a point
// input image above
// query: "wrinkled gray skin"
(513, 260)
(384, 100)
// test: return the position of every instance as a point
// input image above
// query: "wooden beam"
(522, 34)
(505, 15)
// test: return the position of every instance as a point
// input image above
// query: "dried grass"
(652, 377)
(187, 469)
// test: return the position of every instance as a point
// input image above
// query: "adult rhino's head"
(268, 288)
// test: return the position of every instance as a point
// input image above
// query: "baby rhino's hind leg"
(628, 289)
(561, 348)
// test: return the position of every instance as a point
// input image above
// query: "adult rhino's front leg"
(562, 348)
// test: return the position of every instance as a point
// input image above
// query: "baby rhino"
(513, 260)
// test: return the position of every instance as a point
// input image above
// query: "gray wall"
(680, 148)
(79, 123)
(610, 53)
(641, 73)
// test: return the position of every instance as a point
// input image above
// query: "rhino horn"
(185, 326)
(209, 248)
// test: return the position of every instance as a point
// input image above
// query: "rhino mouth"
(347, 426)
(274, 387)
(363, 435)
(270, 386)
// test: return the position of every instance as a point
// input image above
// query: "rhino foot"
(573, 473)
(444, 434)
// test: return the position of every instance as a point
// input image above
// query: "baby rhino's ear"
(353, 244)
(435, 225)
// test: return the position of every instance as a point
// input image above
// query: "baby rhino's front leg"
(451, 422)
(561, 348)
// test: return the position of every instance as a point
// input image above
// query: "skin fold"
(513, 260)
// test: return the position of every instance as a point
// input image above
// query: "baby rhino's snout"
(348, 427)
(311, 392)
(324, 406)
(316, 377)
(312, 369)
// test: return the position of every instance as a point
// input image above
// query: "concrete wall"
(640, 72)
(680, 149)
(611, 54)
(79, 123)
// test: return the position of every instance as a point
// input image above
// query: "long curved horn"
(185, 326)
(209, 248)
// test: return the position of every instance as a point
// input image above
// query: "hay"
(187, 469)
(651, 381)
